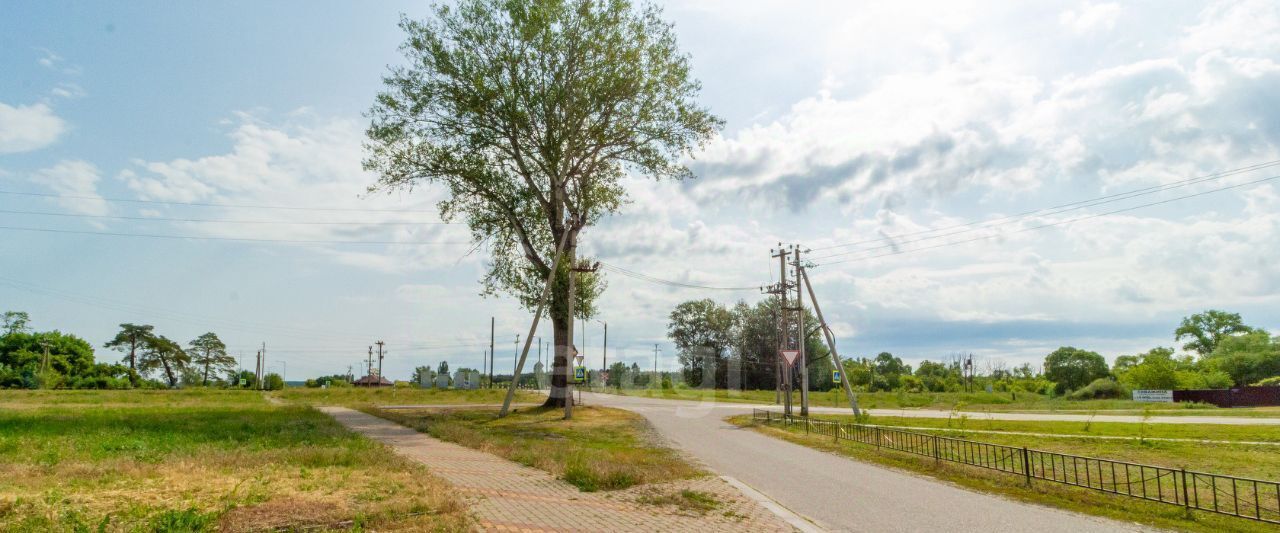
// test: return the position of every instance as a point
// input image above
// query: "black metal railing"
(1254, 499)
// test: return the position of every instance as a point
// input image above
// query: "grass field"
(1251, 460)
(359, 396)
(600, 449)
(201, 460)
(948, 401)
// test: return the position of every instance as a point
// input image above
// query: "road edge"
(787, 515)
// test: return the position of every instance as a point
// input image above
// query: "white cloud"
(304, 161)
(1091, 17)
(28, 127)
(74, 178)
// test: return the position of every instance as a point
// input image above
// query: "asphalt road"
(837, 493)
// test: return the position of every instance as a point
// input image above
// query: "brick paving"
(507, 496)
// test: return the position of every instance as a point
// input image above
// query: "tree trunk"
(167, 371)
(562, 333)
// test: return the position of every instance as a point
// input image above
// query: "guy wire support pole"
(533, 329)
(831, 343)
(801, 339)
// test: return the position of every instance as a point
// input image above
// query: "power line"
(233, 239)
(208, 204)
(1057, 223)
(1061, 208)
(645, 277)
(215, 220)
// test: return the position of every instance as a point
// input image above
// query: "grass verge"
(600, 449)
(362, 396)
(201, 460)
(1040, 492)
(948, 401)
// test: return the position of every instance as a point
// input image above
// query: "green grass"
(1257, 461)
(361, 396)
(199, 460)
(600, 449)
(685, 500)
(947, 401)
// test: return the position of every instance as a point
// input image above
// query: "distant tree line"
(52, 359)
(1219, 351)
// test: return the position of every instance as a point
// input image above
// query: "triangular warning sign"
(790, 356)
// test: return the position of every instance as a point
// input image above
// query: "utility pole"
(604, 350)
(515, 358)
(533, 328)
(491, 322)
(783, 330)
(657, 383)
(801, 338)
(380, 344)
(368, 366)
(44, 364)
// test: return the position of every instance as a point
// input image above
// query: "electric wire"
(1061, 208)
(234, 239)
(218, 220)
(210, 204)
(1056, 223)
(672, 283)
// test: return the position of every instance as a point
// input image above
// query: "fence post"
(1186, 501)
(806, 425)
(937, 456)
(877, 428)
(1026, 465)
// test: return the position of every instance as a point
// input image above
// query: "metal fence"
(1254, 499)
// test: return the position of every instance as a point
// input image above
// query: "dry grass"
(201, 460)
(367, 396)
(600, 449)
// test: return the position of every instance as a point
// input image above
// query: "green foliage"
(1269, 382)
(1071, 368)
(273, 381)
(161, 354)
(15, 322)
(1206, 330)
(129, 340)
(1101, 388)
(1247, 358)
(529, 115)
(209, 354)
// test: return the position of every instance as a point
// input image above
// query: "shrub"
(1273, 381)
(273, 382)
(1099, 388)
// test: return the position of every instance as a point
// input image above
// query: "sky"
(197, 166)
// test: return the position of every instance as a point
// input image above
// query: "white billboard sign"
(1165, 396)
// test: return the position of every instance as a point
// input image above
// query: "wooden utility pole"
(533, 328)
(801, 338)
(656, 381)
(491, 322)
(368, 365)
(831, 343)
(783, 329)
(380, 343)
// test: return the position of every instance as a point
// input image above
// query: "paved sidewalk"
(506, 496)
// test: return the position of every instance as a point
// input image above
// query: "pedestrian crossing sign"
(579, 374)
(835, 376)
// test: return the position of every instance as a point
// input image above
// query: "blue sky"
(844, 123)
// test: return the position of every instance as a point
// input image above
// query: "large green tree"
(209, 353)
(529, 114)
(129, 339)
(160, 353)
(702, 331)
(1247, 358)
(15, 322)
(1071, 368)
(1205, 330)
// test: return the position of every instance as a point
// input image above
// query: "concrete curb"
(796, 521)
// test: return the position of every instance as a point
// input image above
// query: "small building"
(373, 381)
